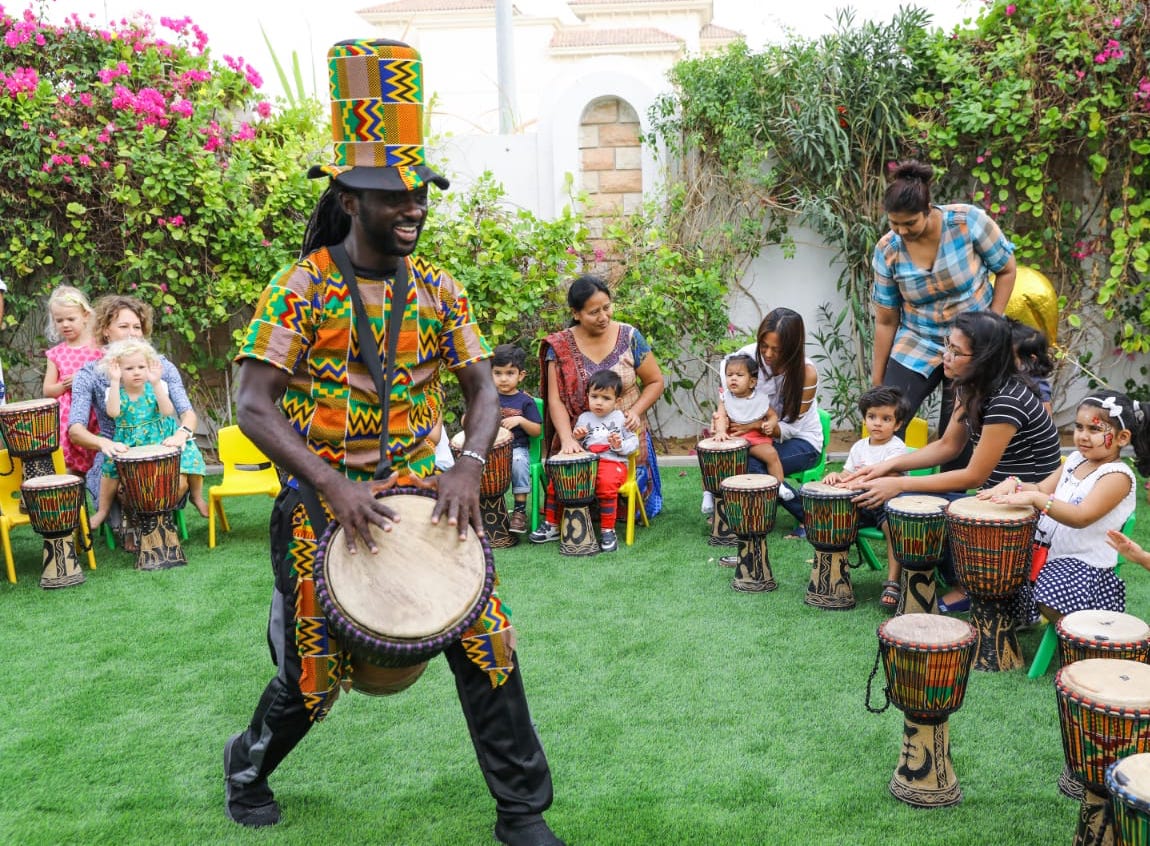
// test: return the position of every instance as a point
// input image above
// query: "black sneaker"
(531, 832)
(607, 541)
(254, 806)
(545, 533)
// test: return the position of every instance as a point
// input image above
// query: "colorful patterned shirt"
(971, 246)
(303, 324)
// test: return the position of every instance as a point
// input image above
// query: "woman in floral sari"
(596, 341)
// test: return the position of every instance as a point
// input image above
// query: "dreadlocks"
(328, 224)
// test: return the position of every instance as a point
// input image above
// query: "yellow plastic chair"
(11, 516)
(630, 490)
(247, 472)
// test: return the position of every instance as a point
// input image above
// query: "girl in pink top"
(69, 322)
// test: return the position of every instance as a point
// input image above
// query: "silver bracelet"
(470, 453)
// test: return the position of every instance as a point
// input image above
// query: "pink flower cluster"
(250, 74)
(1142, 94)
(1112, 50)
(1082, 250)
(175, 221)
(1011, 9)
(20, 80)
(183, 26)
(25, 30)
(106, 75)
(150, 105)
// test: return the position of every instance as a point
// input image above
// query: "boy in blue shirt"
(521, 418)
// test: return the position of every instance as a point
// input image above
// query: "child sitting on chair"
(522, 419)
(138, 401)
(602, 430)
(883, 411)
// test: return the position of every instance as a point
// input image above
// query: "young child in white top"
(883, 411)
(743, 410)
(1083, 504)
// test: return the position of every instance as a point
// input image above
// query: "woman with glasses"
(932, 266)
(996, 412)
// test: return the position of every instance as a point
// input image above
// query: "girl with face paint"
(1081, 503)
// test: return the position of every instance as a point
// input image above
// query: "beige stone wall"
(610, 169)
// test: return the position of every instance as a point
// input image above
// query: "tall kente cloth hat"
(377, 117)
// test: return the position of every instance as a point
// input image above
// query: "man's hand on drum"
(459, 497)
(356, 508)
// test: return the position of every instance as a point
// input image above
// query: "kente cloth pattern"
(573, 370)
(68, 361)
(141, 424)
(376, 108)
(490, 643)
(304, 325)
(971, 246)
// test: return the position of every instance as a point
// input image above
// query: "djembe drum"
(573, 477)
(53, 503)
(927, 661)
(832, 522)
(493, 485)
(31, 429)
(917, 525)
(1104, 714)
(992, 545)
(1098, 634)
(717, 461)
(396, 609)
(1128, 782)
(150, 484)
(751, 500)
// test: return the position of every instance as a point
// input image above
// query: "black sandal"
(891, 594)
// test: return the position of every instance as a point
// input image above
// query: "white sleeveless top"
(1087, 544)
(807, 426)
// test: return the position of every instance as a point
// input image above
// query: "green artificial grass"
(673, 709)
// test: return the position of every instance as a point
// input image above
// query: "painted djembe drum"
(1098, 634)
(832, 522)
(718, 460)
(927, 659)
(573, 477)
(992, 545)
(751, 501)
(150, 484)
(53, 503)
(1128, 782)
(917, 525)
(1104, 715)
(397, 608)
(31, 429)
(493, 486)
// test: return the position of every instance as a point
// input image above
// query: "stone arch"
(610, 165)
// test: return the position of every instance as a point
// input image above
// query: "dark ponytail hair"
(792, 363)
(1130, 415)
(909, 189)
(991, 363)
(329, 223)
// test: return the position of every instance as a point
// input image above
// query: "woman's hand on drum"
(1006, 486)
(865, 474)
(112, 448)
(355, 507)
(459, 497)
(875, 492)
(570, 446)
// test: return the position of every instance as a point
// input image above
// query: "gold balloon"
(1034, 302)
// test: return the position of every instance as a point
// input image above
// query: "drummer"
(995, 411)
(299, 351)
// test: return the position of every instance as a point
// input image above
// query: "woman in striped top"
(996, 411)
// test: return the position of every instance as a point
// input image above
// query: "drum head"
(423, 580)
(1132, 776)
(56, 480)
(1115, 682)
(715, 445)
(750, 482)
(822, 489)
(973, 508)
(27, 405)
(926, 629)
(1104, 626)
(143, 453)
(917, 504)
(501, 437)
(561, 457)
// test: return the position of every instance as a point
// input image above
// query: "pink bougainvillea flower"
(1011, 9)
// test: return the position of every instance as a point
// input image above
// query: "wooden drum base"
(753, 572)
(159, 543)
(577, 531)
(496, 523)
(919, 594)
(1095, 820)
(924, 777)
(61, 567)
(721, 532)
(830, 584)
(1070, 785)
(997, 643)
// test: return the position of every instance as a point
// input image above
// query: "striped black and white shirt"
(1033, 451)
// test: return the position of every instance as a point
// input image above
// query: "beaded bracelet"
(470, 453)
(1046, 508)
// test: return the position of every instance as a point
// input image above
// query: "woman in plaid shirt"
(932, 266)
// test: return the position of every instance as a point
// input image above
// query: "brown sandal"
(891, 594)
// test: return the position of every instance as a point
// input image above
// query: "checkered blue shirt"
(971, 246)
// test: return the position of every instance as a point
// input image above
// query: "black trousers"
(506, 743)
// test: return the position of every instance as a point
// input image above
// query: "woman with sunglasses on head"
(933, 265)
(996, 411)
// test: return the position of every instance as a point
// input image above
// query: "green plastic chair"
(537, 487)
(816, 473)
(1049, 643)
(916, 437)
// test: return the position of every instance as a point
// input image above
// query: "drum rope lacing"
(870, 682)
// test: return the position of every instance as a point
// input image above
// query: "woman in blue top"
(932, 266)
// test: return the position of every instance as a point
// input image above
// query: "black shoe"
(532, 831)
(253, 806)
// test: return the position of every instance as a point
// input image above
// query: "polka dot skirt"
(1070, 584)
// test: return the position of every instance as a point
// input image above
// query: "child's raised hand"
(579, 432)
(155, 371)
(1126, 547)
(114, 370)
(615, 440)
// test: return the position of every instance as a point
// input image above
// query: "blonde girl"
(138, 401)
(70, 328)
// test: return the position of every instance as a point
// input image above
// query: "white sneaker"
(785, 493)
(708, 503)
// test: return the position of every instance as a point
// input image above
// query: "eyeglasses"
(954, 352)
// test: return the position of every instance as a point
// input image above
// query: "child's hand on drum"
(832, 478)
